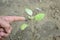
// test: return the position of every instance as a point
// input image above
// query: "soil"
(46, 29)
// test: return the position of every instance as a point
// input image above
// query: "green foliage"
(23, 26)
(28, 11)
(39, 16)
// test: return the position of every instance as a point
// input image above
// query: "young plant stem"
(32, 29)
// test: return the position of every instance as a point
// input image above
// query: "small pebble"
(39, 9)
(40, 0)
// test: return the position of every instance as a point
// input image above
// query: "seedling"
(23, 26)
(37, 17)
(29, 11)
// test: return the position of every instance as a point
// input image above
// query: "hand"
(5, 27)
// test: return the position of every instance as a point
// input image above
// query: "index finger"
(13, 18)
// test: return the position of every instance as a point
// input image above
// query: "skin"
(5, 27)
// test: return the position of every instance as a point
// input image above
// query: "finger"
(1, 38)
(3, 34)
(1, 30)
(13, 18)
(6, 27)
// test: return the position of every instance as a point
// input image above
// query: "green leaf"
(23, 26)
(28, 11)
(39, 16)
